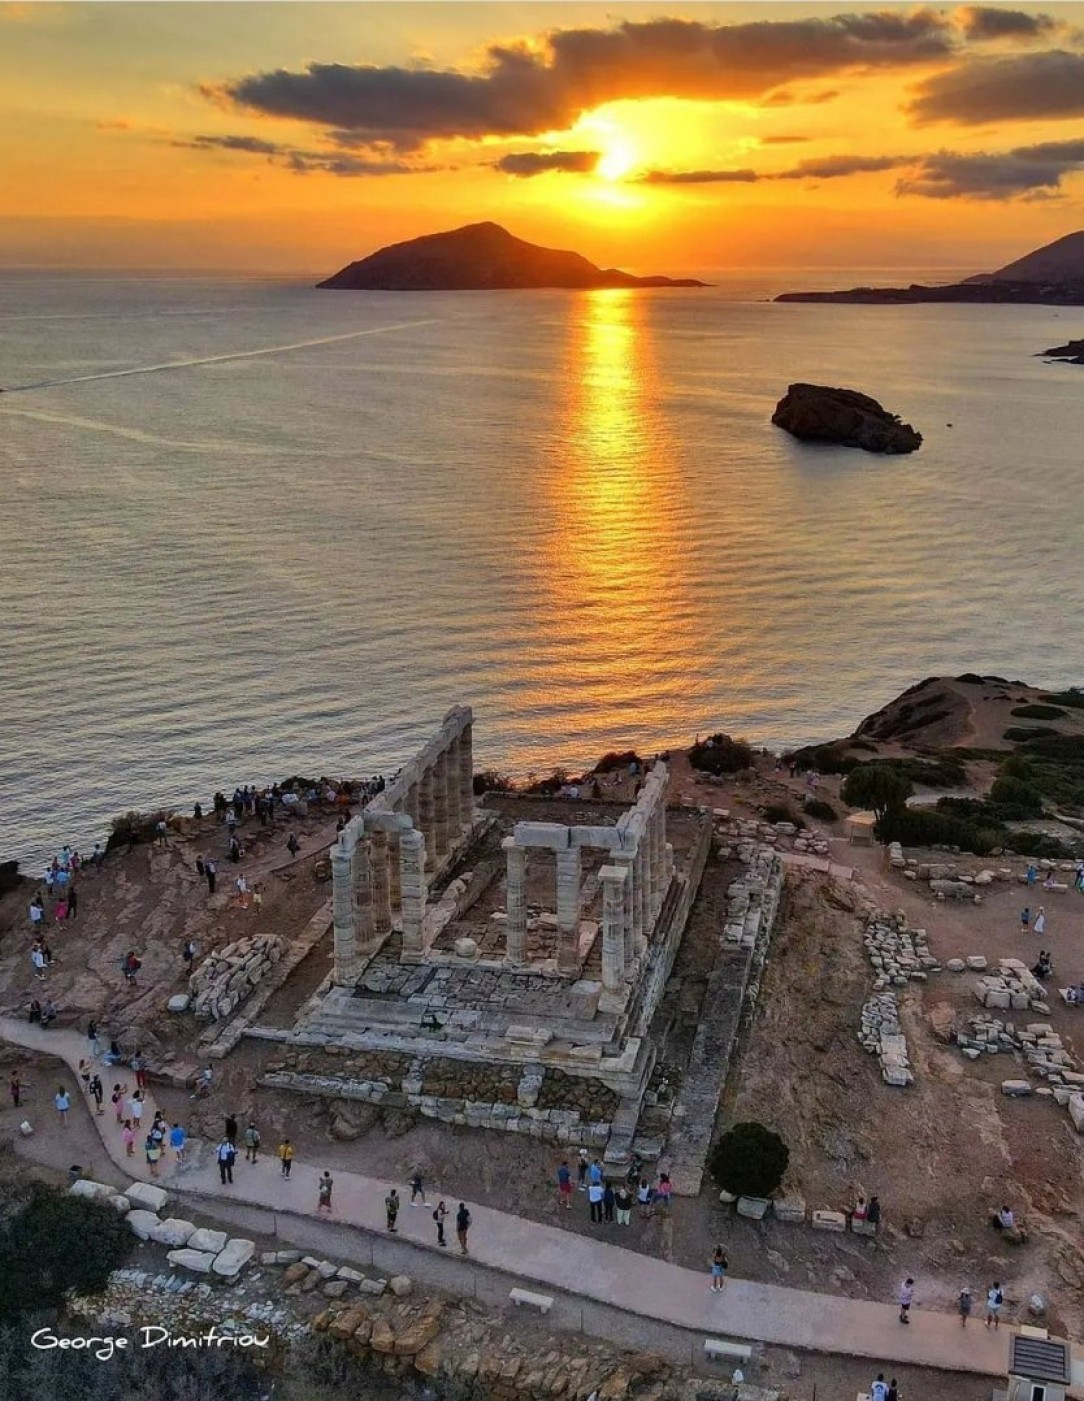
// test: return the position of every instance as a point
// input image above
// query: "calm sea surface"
(319, 519)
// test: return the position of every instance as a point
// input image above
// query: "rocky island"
(481, 257)
(1071, 353)
(815, 413)
(1050, 276)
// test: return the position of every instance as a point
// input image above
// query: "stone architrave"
(381, 890)
(438, 775)
(515, 904)
(413, 886)
(345, 970)
(363, 892)
(568, 909)
(614, 881)
(466, 776)
(425, 821)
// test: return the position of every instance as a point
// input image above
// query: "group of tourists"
(611, 1203)
(440, 1213)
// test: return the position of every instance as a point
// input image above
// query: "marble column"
(626, 861)
(515, 903)
(655, 861)
(614, 881)
(568, 909)
(466, 776)
(345, 970)
(410, 803)
(413, 885)
(363, 893)
(395, 887)
(643, 895)
(381, 889)
(451, 788)
(439, 776)
(425, 817)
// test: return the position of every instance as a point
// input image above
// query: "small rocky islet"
(816, 413)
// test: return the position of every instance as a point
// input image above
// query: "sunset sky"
(668, 137)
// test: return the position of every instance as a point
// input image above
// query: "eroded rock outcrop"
(816, 413)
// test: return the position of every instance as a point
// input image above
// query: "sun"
(616, 161)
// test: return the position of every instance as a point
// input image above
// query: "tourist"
(97, 856)
(131, 966)
(417, 1189)
(153, 1151)
(203, 1083)
(160, 831)
(994, 1300)
(594, 1196)
(242, 891)
(623, 1204)
(48, 1012)
(63, 1104)
(879, 1390)
(35, 1012)
(257, 898)
(84, 1074)
(873, 1211)
(1040, 922)
(581, 1169)
(16, 1088)
(719, 1265)
(135, 1108)
(231, 1129)
(439, 1213)
(225, 1153)
(861, 1210)
(37, 959)
(907, 1294)
(47, 951)
(252, 1142)
(37, 914)
(113, 1055)
(94, 1039)
(97, 1091)
(61, 911)
(128, 1135)
(323, 1192)
(645, 1196)
(391, 1209)
(564, 1186)
(139, 1065)
(197, 813)
(234, 850)
(73, 902)
(286, 1156)
(663, 1194)
(1032, 874)
(210, 870)
(594, 1174)
(188, 954)
(177, 1139)
(963, 1306)
(892, 1394)
(1003, 1220)
(293, 846)
(609, 1197)
(1025, 919)
(462, 1226)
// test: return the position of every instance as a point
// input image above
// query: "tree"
(52, 1243)
(878, 787)
(749, 1160)
(719, 754)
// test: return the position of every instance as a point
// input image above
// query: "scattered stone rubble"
(782, 835)
(899, 955)
(227, 976)
(1044, 1055)
(1013, 987)
(881, 1035)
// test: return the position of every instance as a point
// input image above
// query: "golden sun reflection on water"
(618, 599)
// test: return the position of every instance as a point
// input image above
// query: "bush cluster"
(617, 759)
(1038, 712)
(818, 808)
(51, 1243)
(720, 754)
(749, 1160)
(780, 812)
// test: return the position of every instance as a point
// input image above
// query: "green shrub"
(934, 827)
(132, 828)
(490, 781)
(546, 787)
(1073, 698)
(1023, 798)
(780, 812)
(749, 1160)
(877, 786)
(818, 808)
(1038, 844)
(720, 754)
(51, 1243)
(1038, 712)
(824, 758)
(1023, 734)
(618, 759)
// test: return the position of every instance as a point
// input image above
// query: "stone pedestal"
(413, 886)
(466, 776)
(614, 880)
(381, 886)
(345, 971)
(515, 904)
(438, 776)
(568, 909)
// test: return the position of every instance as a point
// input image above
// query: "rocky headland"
(1071, 353)
(481, 257)
(815, 413)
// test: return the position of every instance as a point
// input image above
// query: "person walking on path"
(879, 1390)
(440, 1211)
(37, 958)
(582, 1169)
(391, 1208)
(16, 1089)
(644, 1195)
(63, 1104)
(462, 1226)
(893, 1393)
(84, 1074)
(293, 846)
(994, 1300)
(594, 1174)
(153, 1150)
(97, 1091)
(417, 1189)
(135, 1109)
(225, 1154)
(210, 870)
(963, 1306)
(188, 954)
(286, 1156)
(73, 902)
(252, 1142)
(623, 1203)
(94, 1039)
(662, 1195)
(907, 1294)
(564, 1186)
(177, 1139)
(128, 1135)
(608, 1199)
(1025, 919)
(1040, 922)
(118, 1102)
(594, 1196)
(719, 1264)
(231, 1129)
(323, 1192)
(139, 1065)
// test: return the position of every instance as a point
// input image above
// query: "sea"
(250, 529)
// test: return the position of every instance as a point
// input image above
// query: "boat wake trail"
(217, 359)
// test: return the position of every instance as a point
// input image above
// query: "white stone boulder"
(146, 1196)
(95, 1191)
(189, 1259)
(829, 1221)
(790, 1209)
(976, 962)
(1076, 1112)
(121, 1204)
(205, 1240)
(956, 965)
(1016, 1089)
(179, 1002)
(231, 1261)
(466, 948)
(141, 1223)
(755, 1208)
(173, 1231)
(401, 1285)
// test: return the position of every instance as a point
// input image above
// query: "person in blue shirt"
(564, 1186)
(177, 1139)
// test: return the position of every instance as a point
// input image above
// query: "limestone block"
(373, 1286)
(173, 1231)
(977, 962)
(727, 1198)
(1016, 1089)
(146, 1196)
(188, 1259)
(829, 1221)
(326, 1269)
(1076, 1112)
(956, 965)
(790, 1209)
(863, 1228)
(96, 1191)
(141, 1223)
(755, 1208)
(335, 1288)
(232, 1260)
(351, 1276)
(401, 1285)
(466, 948)
(554, 835)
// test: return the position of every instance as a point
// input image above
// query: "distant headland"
(481, 257)
(1050, 276)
